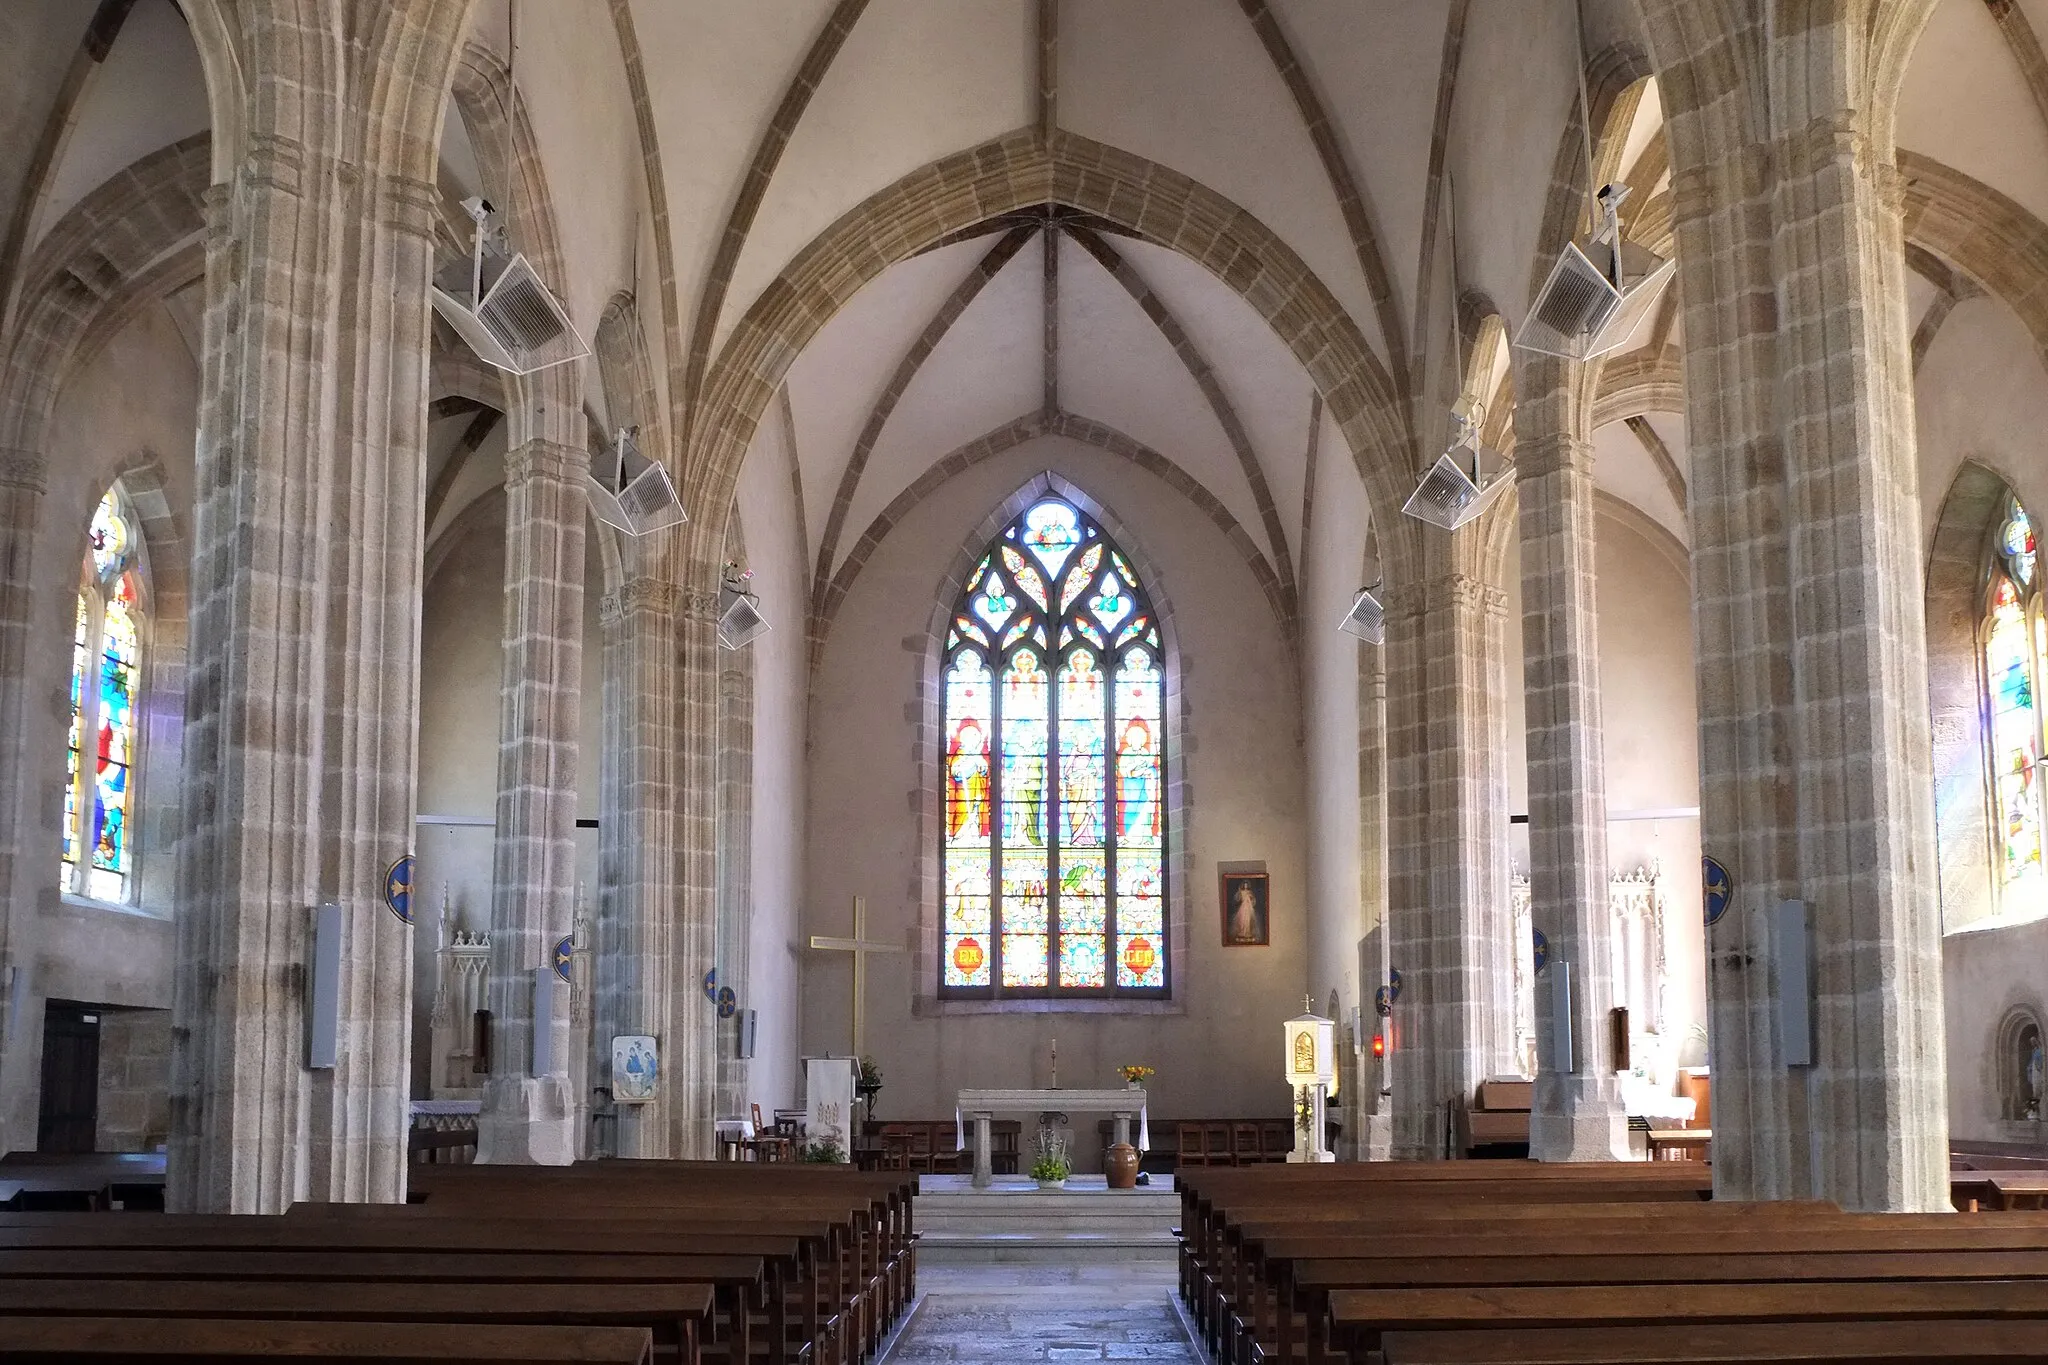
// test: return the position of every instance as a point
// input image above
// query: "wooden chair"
(1275, 1141)
(1244, 1144)
(1216, 1143)
(768, 1144)
(1190, 1151)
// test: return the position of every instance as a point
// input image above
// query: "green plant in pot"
(1052, 1165)
(826, 1152)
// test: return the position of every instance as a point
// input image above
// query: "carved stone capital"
(544, 459)
(700, 605)
(23, 469)
(652, 597)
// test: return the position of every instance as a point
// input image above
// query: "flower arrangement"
(1052, 1166)
(827, 1152)
(1136, 1075)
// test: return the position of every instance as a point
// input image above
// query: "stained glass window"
(1053, 758)
(106, 675)
(2015, 664)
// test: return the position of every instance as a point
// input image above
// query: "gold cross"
(860, 947)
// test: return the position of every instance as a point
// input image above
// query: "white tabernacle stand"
(983, 1105)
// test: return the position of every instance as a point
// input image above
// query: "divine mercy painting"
(1245, 904)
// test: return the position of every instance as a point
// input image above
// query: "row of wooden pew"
(615, 1262)
(1483, 1263)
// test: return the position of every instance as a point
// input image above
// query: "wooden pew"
(190, 1341)
(755, 1278)
(1362, 1317)
(872, 1273)
(1959, 1341)
(673, 1314)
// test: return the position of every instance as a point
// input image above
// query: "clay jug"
(1120, 1165)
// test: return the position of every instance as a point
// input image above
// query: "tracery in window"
(2015, 660)
(106, 674)
(1053, 759)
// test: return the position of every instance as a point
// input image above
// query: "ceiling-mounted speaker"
(740, 621)
(1448, 497)
(630, 491)
(498, 306)
(1367, 618)
(1596, 298)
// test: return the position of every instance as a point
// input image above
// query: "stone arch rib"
(1199, 369)
(1147, 200)
(1344, 186)
(985, 270)
(1008, 437)
(1988, 237)
(754, 187)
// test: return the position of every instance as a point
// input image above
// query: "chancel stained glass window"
(106, 676)
(2015, 665)
(1053, 760)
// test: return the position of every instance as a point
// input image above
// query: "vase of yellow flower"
(1135, 1076)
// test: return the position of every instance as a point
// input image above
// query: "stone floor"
(1103, 1311)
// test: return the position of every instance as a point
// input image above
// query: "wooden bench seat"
(1361, 1317)
(1953, 1341)
(674, 1314)
(191, 1341)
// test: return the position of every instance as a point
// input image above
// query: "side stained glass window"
(2015, 666)
(106, 677)
(1053, 758)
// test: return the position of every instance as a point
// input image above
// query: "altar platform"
(1012, 1220)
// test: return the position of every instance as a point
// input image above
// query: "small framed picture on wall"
(1246, 905)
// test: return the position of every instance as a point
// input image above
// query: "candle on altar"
(1055, 1063)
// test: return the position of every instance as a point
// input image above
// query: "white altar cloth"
(1126, 1103)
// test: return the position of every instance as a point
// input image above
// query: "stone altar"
(983, 1105)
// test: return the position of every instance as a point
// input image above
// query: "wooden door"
(71, 1078)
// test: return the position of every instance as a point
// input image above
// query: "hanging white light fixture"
(740, 621)
(1595, 298)
(1367, 619)
(630, 491)
(498, 306)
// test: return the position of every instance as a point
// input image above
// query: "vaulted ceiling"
(1342, 127)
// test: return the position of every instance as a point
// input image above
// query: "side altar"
(983, 1105)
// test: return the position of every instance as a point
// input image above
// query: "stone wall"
(135, 1080)
(1217, 1050)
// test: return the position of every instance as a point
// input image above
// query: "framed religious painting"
(1246, 904)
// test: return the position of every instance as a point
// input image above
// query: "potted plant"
(826, 1152)
(1052, 1166)
(1135, 1075)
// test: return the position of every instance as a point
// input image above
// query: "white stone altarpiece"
(461, 969)
(1642, 978)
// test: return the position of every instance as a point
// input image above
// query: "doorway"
(71, 1078)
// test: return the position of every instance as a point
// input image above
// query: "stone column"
(1375, 1132)
(302, 690)
(531, 1118)
(21, 502)
(1807, 582)
(735, 864)
(1578, 1114)
(1447, 828)
(636, 962)
(694, 1069)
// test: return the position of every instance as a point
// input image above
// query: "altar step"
(1014, 1220)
